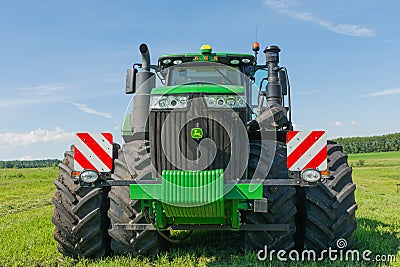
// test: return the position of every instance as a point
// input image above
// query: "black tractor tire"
(133, 163)
(330, 207)
(281, 203)
(80, 215)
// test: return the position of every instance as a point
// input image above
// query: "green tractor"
(205, 150)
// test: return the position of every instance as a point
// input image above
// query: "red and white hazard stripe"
(306, 150)
(93, 151)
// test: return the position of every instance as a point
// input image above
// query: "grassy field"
(382, 159)
(26, 228)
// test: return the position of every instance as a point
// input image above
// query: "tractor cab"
(203, 73)
(234, 60)
(205, 68)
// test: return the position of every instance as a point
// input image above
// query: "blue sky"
(63, 63)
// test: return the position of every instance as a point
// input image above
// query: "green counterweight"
(195, 197)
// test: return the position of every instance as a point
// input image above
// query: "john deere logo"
(197, 133)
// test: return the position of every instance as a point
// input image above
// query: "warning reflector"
(93, 151)
(306, 150)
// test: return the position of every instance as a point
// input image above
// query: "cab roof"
(227, 58)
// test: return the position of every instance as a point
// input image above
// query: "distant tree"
(17, 164)
(382, 143)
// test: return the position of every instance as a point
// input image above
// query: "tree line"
(351, 145)
(19, 164)
(380, 143)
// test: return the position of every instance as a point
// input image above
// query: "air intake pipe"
(145, 82)
(276, 115)
(274, 89)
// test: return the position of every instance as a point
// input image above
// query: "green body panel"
(198, 88)
(126, 126)
(195, 197)
(243, 191)
(238, 191)
(145, 191)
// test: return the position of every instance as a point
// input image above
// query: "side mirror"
(130, 87)
(283, 81)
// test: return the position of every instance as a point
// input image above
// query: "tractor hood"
(198, 88)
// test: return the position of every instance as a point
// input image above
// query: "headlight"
(226, 101)
(166, 61)
(235, 61)
(89, 176)
(168, 102)
(164, 102)
(230, 102)
(211, 102)
(310, 175)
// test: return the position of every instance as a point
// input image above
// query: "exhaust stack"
(144, 50)
(145, 81)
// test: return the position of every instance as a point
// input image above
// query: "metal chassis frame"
(205, 227)
(268, 182)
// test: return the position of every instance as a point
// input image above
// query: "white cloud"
(86, 109)
(47, 93)
(10, 139)
(46, 89)
(286, 7)
(354, 122)
(24, 101)
(350, 29)
(306, 92)
(336, 124)
(26, 158)
(282, 4)
(389, 41)
(395, 91)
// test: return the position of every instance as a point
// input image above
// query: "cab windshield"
(213, 74)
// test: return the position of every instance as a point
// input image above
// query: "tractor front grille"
(174, 127)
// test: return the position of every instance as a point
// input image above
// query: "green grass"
(26, 228)
(374, 156)
(381, 159)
